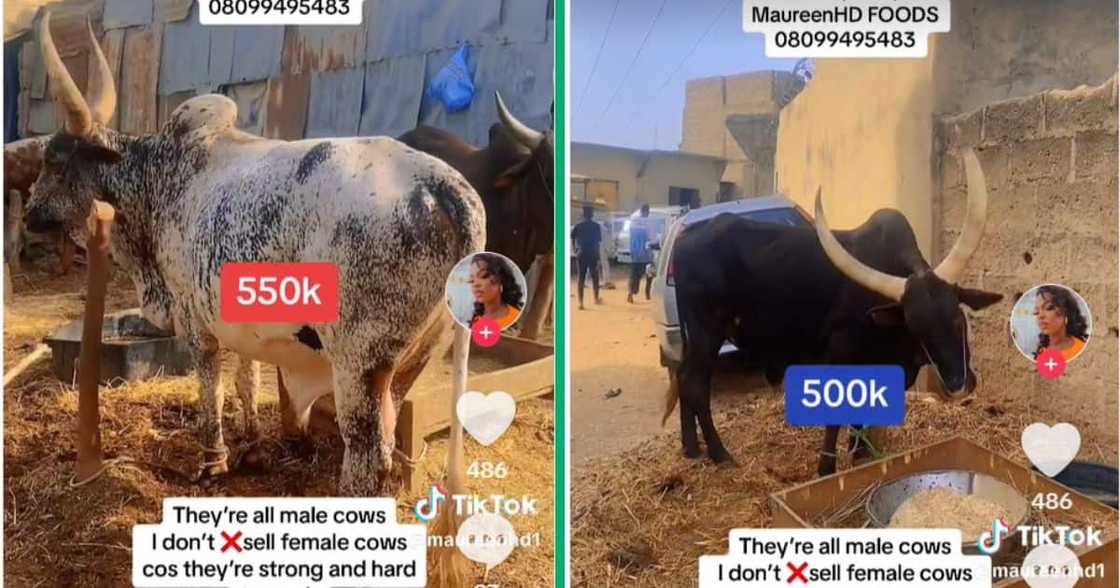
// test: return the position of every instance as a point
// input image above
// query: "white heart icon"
(1051, 449)
(486, 417)
(1051, 566)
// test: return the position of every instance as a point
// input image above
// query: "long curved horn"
(79, 121)
(890, 286)
(952, 267)
(102, 89)
(524, 135)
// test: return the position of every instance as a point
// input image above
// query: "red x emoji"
(231, 541)
(797, 573)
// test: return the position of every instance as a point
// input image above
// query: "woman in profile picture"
(496, 292)
(1060, 322)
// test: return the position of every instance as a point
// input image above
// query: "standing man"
(640, 254)
(586, 237)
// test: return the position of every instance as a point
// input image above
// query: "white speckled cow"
(201, 194)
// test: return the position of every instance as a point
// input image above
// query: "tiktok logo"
(426, 509)
(989, 543)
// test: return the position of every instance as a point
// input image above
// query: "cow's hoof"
(724, 461)
(692, 452)
(210, 474)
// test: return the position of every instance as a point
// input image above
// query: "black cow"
(514, 176)
(790, 295)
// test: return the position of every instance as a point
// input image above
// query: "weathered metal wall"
(300, 81)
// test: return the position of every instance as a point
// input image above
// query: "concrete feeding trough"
(132, 349)
(524, 370)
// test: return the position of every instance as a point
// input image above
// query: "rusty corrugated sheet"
(393, 90)
(68, 29)
(41, 117)
(286, 109)
(335, 103)
(250, 99)
(78, 66)
(139, 79)
(312, 48)
(33, 71)
(221, 55)
(396, 28)
(168, 104)
(524, 21)
(112, 44)
(185, 61)
(256, 53)
(127, 13)
(173, 10)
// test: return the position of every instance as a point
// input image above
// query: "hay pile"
(645, 517)
(83, 535)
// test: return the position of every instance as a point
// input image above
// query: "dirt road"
(613, 346)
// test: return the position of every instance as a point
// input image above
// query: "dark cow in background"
(200, 194)
(789, 295)
(23, 160)
(514, 176)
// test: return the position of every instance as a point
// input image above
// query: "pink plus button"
(1050, 364)
(485, 332)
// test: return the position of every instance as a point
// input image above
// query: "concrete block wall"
(1050, 160)
(708, 103)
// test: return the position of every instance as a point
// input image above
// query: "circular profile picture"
(486, 285)
(1051, 317)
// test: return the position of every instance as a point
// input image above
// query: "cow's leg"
(827, 463)
(703, 339)
(689, 441)
(702, 396)
(205, 351)
(367, 422)
(248, 384)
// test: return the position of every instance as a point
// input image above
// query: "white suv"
(770, 209)
(660, 217)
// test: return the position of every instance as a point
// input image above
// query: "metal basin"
(886, 499)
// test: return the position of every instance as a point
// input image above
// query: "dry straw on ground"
(645, 517)
(59, 536)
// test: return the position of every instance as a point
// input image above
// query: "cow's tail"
(672, 395)
(447, 565)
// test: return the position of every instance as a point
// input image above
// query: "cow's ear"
(977, 299)
(506, 179)
(887, 316)
(97, 153)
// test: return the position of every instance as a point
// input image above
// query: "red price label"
(279, 293)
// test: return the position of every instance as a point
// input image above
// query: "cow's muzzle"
(956, 388)
(40, 222)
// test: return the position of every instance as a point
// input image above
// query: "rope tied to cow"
(105, 465)
(223, 452)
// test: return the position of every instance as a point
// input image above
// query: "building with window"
(626, 178)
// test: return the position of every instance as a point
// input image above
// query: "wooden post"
(541, 301)
(13, 230)
(89, 358)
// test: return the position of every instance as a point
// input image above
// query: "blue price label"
(819, 395)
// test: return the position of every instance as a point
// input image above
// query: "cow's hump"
(203, 115)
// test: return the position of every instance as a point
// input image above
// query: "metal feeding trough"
(132, 349)
(886, 499)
